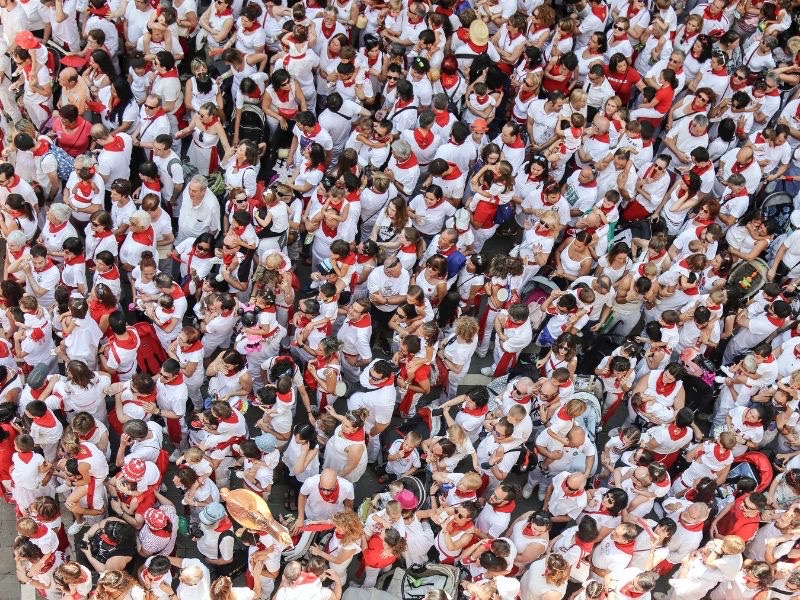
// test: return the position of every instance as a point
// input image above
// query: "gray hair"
(678, 52)
(157, 98)
(16, 238)
(141, 218)
(61, 211)
(199, 180)
(749, 363)
(402, 149)
(700, 120)
(84, 160)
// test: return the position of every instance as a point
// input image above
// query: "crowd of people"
(250, 245)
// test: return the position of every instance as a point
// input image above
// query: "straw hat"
(478, 33)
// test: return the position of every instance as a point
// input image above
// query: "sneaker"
(176, 454)
(63, 489)
(487, 371)
(480, 354)
(527, 491)
(75, 528)
(541, 493)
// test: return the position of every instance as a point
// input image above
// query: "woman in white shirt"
(301, 458)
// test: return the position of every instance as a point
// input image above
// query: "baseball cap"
(479, 125)
(212, 513)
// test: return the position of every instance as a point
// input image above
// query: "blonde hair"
(456, 434)
(466, 327)
(732, 544)
(471, 480)
(578, 95)
(352, 526)
(552, 219)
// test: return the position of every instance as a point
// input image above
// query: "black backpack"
(252, 123)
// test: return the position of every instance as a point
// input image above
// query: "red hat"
(26, 40)
(156, 518)
(134, 469)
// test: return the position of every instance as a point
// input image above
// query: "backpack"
(504, 213)
(252, 123)
(151, 354)
(66, 164)
(189, 170)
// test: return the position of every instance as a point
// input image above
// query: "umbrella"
(251, 511)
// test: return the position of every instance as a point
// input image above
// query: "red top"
(734, 522)
(664, 96)
(97, 311)
(75, 142)
(7, 450)
(622, 83)
(372, 556)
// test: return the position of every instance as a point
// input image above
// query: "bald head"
(577, 481)
(744, 154)
(696, 513)
(68, 77)
(327, 478)
(601, 123)
(576, 436)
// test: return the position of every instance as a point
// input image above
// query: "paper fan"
(318, 527)
(76, 62)
(250, 511)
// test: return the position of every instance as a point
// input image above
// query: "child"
(33, 340)
(457, 488)
(480, 103)
(560, 424)
(391, 18)
(30, 474)
(42, 537)
(381, 499)
(403, 457)
(259, 459)
(616, 373)
(490, 11)
(45, 429)
(626, 438)
(563, 306)
(572, 138)
(429, 346)
(670, 334)
(138, 77)
(197, 461)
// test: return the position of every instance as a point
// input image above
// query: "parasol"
(251, 511)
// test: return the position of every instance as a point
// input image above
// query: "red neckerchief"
(224, 525)
(171, 74)
(737, 168)
(251, 28)
(327, 32)
(25, 456)
(178, 380)
(586, 547)
(103, 234)
(442, 117)
(102, 12)
(145, 238)
(476, 48)
(47, 420)
(423, 138)
(517, 143)
(626, 547)
(285, 398)
(707, 14)
(601, 12)
(721, 453)
(154, 185)
(454, 173)
(569, 493)
(410, 162)
(330, 497)
(53, 228)
(591, 184)
(506, 508)
(108, 541)
(364, 321)
(127, 344)
(476, 412)
(88, 435)
(47, 265)
(721, 72)
(159, 113)
(628, 590)
(777, 321)
(693, 527)
(755, 423)
(41, 149)
(193, 347)
(697, 170)
(664, 389)
(14, 182)
(225, 13)
(453, 527)
(283, 95)
(675, 432)
(75, 260)
(357, 436)
(463, 494)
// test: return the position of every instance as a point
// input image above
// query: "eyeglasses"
(227, 247)
(704, 99)
(659, 167)
(204, 248)
(514, 388)
(151, 107)
(673, 61)
(620, 28)
(392, 77)
(737, 76)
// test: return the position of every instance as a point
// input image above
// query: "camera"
(195, 531)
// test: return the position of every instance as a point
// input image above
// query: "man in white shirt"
(322, 496)
(199, 212)
(114, 159)
(153, 122)
(738, 160)
(170, 169)
(379, 398)
(566, 497)
(577, 456)
(355, 333)
(387, 288)
(493, 520)
(338, 120)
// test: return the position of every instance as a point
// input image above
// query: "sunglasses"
(150, 107)
(620, 28)
(659, 167)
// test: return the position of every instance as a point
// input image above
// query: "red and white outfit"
(507, 352)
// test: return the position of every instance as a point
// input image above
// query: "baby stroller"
(413, 583)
